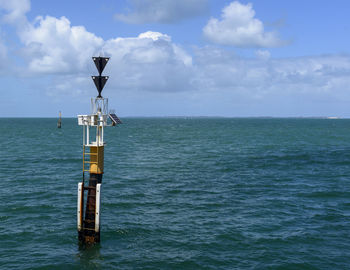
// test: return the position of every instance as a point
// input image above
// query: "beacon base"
(88, 221)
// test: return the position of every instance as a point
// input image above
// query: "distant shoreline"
(186, 117)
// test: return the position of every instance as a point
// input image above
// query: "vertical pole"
(87, 135)
(97, 210)
(102, 133)
(97, 141)
(80, 210)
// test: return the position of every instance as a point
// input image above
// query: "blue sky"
(174, 58)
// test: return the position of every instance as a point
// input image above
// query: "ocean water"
(180, 193)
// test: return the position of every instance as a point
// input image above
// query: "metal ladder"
(88, 161)
(88, 223)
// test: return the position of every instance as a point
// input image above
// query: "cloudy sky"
(175, 58)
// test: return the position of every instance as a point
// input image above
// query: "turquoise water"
(177, 193)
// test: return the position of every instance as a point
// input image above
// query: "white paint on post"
(98, 203)
(79, 206)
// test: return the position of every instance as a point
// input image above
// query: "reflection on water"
(89, 256)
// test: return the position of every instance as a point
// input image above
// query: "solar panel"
(115, 119)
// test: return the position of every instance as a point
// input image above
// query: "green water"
(177, 193)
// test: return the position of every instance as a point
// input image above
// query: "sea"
(180, 193)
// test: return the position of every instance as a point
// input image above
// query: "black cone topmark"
(100, 81)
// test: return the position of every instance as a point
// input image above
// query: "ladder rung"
(90, 187)
(92, 154)
(91, 162)
(89, 221)
(89, 229)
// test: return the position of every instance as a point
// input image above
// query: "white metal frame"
(97, 119)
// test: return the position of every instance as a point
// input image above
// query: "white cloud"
(148, 62)
(239, 28)
(263, 54)
(155, 36)
(254, 80)
(54, 46)
(165, 11)
(15, 10)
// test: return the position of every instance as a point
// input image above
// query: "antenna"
(100, 81)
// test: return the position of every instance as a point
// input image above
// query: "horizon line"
(189, 116)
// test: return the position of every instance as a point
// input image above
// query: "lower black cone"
(100, 82)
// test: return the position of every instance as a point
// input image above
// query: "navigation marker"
(89, 192)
